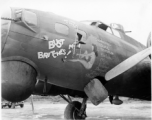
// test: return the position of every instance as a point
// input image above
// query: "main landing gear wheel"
(72, 111)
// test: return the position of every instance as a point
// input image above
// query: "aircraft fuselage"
(69, 53)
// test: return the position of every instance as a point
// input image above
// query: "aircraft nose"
(5, 26)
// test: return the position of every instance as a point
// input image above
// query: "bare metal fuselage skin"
(55, 56)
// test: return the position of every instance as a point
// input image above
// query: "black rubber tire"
(13, 105)
(71, 113)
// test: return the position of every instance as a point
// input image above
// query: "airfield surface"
(46, 110)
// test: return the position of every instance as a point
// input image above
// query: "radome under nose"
(5, 26)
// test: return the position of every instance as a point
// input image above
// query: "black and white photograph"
(76, 59)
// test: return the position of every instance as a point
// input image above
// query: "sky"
(134, 15)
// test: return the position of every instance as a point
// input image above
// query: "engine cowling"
(18, 80)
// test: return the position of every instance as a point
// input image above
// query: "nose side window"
(30, 18)
(61, 28)
(81, 35)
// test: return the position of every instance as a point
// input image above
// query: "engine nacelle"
(18, 80)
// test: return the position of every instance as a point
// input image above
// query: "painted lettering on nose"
(56, 43)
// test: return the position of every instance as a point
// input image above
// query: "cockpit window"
(106, 28)
(116, 33)
(82, 33)
(103, 26)
(60, 28)
(109, 30)
(18, 14)
(30, 18)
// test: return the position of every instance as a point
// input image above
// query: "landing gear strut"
(75, 110)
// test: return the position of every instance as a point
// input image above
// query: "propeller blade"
(149, 40)
(127, 64)
(32, 103)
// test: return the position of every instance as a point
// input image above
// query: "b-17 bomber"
(46, 54)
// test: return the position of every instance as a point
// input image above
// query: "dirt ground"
(45, 110)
